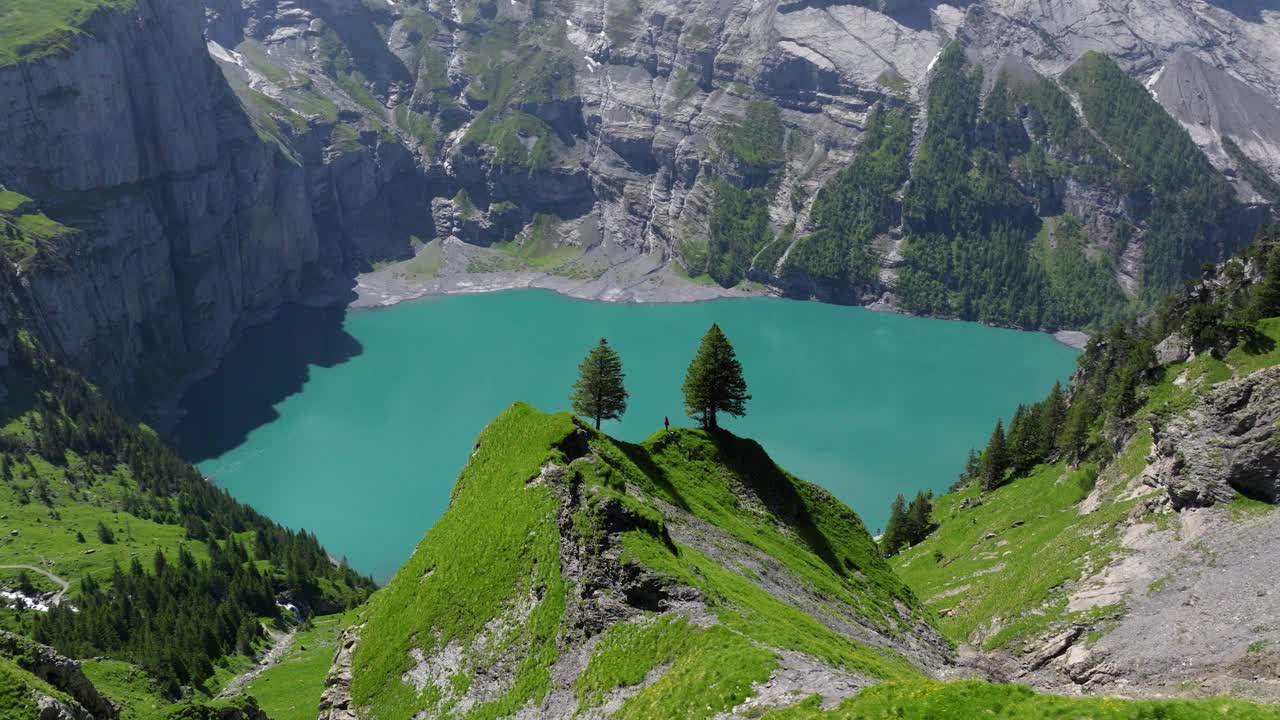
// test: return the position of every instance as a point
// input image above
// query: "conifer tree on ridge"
(713, 383)
(599, 393)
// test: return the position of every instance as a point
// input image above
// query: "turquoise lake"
(354, 425)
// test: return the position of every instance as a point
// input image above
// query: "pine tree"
(714, 383)
(1266, 302)
(1052, 416)
(599, 393)
(919, 518)
(1073, 441)
(995, 459)
(972, 468)
(892, 539)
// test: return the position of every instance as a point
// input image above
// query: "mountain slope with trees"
(1141, 489)
(166, 571)
(613, 150)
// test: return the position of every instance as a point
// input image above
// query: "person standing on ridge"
(666, 423)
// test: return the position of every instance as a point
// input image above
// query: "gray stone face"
(193, 223)
(190, 223)
(1173, 349)
(62, 673)
(1226, 444)
(201, 211)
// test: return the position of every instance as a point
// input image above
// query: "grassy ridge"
(485, 582)
(34, 29)
(498, 543)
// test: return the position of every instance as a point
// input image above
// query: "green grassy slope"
(180, 573)
(486, 580)
(291, 689)
(28, 236)
(497, 542)
(996, 571)
(484, 593)
(33, 29)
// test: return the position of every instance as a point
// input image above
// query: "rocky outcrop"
(1174, 349)
(335, 701)
(62, 673)
(1226, 444)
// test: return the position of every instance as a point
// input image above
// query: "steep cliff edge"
(190, 219)
(190, 224)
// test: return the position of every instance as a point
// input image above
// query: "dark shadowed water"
(355, 425)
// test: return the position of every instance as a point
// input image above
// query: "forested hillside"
(1116, 507)
(164, 570)
(992, 225)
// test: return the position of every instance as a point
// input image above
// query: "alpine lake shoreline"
(822, 454)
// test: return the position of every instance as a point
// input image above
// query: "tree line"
(175, 621)
(178, 619)
(1216, 315)
(713, 383)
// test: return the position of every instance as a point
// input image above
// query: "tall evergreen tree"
(919, 518)
(972, 467)
(1073, 441)
(599, 393)
(1052, 415)
(894, 531)
(1025, 442)
(995, 459)
(714, 383)
(1267, 300)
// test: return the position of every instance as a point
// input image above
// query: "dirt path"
(57, 599)
(278, 648)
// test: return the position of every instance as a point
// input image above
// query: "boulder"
(62, 673)
(1174, 349)
(1224, 445)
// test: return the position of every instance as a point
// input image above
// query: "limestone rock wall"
(1226, 444)
(194, 220)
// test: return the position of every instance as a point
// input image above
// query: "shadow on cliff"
(364, 47)
(270, 362)
(914, 14)
(776, 490)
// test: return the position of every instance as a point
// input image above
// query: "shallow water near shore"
(355, 425)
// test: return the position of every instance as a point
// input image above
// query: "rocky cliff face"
(1224, 445)
(604, 123)
(193, 221)
(190, 223)
(84, 702)
(594, 132)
